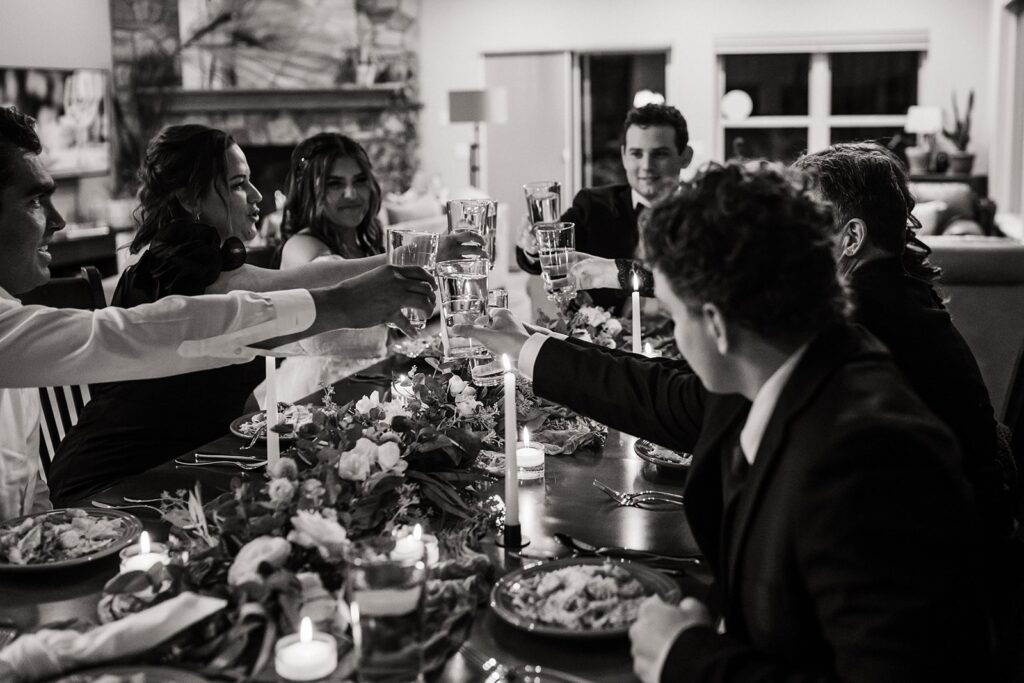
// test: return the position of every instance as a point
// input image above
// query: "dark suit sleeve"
(653, 399)
(533, 268)
(883, 545)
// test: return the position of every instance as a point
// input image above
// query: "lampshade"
(467, 106)
(920, 119)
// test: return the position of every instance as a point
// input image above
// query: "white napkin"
(35, 656)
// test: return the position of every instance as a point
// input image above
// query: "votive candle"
(144, 555)
(530, 459)
(636, 314)
(307, 655)
(511, 467)
(273, 438)
(409, 546)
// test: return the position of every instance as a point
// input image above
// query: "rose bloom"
(456, 385)
(388, 455)
(281, 491)
(355, 464)
(310, 530)
(368, 403)
(467, 408)
(613, 326)
(595, 316)
(285, 467)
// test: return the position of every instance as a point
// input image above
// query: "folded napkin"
(46, 653)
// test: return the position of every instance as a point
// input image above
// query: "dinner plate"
(131, 528)
(664, 459)
(135, 674)
(236, 427)
(504, 590)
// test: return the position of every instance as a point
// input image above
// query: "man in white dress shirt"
(41, 346)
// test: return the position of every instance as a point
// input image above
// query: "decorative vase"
(961, 163)
(917, 159)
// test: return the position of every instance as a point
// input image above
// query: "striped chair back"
(62, 405)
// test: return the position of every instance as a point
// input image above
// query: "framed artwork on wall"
(71, 108)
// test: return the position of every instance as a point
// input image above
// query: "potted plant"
(961, 161)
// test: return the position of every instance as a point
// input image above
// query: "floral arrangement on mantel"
(358, 477)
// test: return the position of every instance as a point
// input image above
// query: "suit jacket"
(606, 226)
(850, 553)
(907, 315)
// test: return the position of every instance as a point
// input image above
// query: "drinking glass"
(412, 248)
(557, 243)
(386, 598)
(486, 370)
(463, 286)
(543, 201)
(478, 216)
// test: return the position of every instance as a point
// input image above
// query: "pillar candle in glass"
(529, 458)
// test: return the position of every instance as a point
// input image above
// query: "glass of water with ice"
(463, 286)
(412, 248)
(557, 244)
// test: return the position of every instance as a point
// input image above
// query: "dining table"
(564, 501)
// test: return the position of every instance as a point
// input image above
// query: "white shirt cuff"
(294, 311)
(528, 354)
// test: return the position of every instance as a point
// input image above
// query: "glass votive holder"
(530, 460)
(143, 555)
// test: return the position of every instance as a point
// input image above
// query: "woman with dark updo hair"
(197, 205)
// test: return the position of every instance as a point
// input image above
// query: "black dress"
(129, 427)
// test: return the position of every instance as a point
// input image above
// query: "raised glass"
(463, 286)
(543, 201)
(557, 243)
(386, 598)
(412, 248)
(486, 371)
(479, 216)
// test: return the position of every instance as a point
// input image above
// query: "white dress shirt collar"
(639, 199)
(763, 407)
(4, 294)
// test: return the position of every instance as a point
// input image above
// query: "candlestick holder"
(512, 538)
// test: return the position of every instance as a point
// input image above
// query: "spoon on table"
(621, 553)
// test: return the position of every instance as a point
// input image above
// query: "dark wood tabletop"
(564, 501)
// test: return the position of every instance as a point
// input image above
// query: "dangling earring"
(196, 217)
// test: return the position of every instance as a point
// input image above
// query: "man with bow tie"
(654, 150)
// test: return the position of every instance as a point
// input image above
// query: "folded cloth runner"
(46, 653)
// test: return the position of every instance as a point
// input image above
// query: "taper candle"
(511, 468)
(273, 438)
(637, 347)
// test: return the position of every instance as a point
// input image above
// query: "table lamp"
(469, 106)
(926, 121)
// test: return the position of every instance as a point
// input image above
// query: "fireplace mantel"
(376, 97)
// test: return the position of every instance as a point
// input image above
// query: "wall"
(455, 34)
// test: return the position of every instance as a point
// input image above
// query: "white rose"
(281, 491)
(270, 549)
(394, 409)
(310, 530)
(367, 403)
(388, 455)
(355, 464)
(456, 385)
(613, 326)
(467, 408)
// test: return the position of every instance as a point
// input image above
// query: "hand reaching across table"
(504, 335)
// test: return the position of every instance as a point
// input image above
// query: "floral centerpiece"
(357, 477)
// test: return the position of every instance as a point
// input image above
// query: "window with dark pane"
(883, 135)
(776, 83)
(874, 82)
(774, 144)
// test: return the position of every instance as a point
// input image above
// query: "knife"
(621, 553)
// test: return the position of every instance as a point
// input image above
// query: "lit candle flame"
(506, 363)
(417, 532)
(636, 282)
(526, 437)
(648, 349)
(144, 543)
(306, 630)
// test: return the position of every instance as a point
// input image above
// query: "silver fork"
(255, 437)
(223, 463)
(496, 672)
(108, 506)
(640, 497)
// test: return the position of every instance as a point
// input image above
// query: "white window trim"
(818, 120)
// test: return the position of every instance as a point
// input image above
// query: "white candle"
(305, 656)
(530, 459)
(649, 351)
(409, 547)
(511, 468)
(636, 314)
(433, 549)
(144, 555)
(273, 438)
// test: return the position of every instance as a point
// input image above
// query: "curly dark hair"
(866, 181)
(752, 241)
(188, 158)
(657, 115)
(17, 136)
(310, 167)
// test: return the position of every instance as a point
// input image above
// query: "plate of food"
(64, 538)
(578, 597)
(247, 426)
(132, 674)
(666, 461)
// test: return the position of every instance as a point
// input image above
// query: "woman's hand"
(460, 245)
(376, 297)
(594, 272)
(505, 334)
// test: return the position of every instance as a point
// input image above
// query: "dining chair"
(61, 405)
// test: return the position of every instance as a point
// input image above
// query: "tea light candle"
(649, 351)
(273, 438)
(636, 314)
(530, 458)
(511, 468)
(409, 547)
(305, 656)
(139, 558)
(401, 388)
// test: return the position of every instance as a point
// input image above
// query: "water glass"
(463, 286)
(412, 248)
(478, 216)
(543, 201)
(386, 598)
(486, 371)
(557, 243)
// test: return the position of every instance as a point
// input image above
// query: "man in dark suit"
(655, 148)
(827, 500)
